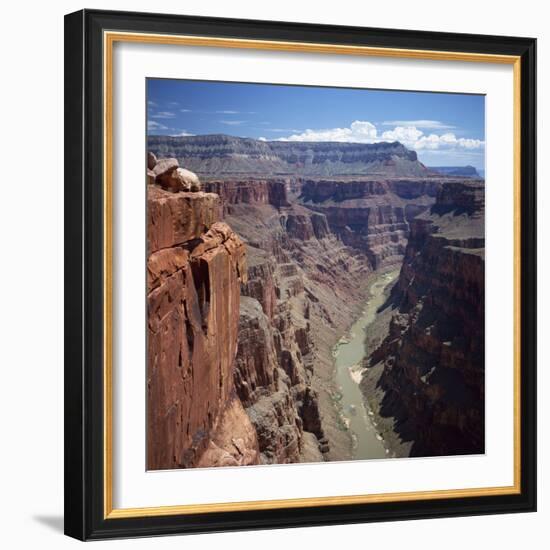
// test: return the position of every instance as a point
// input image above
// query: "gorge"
(262, 274)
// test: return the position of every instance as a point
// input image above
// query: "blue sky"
(444, 129)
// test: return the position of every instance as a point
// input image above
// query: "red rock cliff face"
(371, 215)
(298, 296)
(253, 191)
(195, 267)
(432, 381)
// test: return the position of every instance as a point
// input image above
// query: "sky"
(444, 129)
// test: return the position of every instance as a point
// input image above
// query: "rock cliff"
(425, 381)
(253, 278)
(195, 267)
(217, 155)
(371, 214)
(293, 305)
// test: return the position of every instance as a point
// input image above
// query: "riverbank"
(373, 395)
(349, 354)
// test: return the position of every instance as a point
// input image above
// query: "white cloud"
(182, 133)
(185, 111)
(232, 122)
(427, 124)
(405, 134)
(154, 125)
(262, 139)
(447, 142)
(163, 114)
(362, 131)
(227, 112)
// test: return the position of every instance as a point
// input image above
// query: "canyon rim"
(315, 274)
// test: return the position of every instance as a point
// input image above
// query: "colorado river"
(349, 352)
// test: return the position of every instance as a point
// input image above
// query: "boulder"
(150, 176)
(151, 160)
(166, 175)
(190, 179)
(165, 166)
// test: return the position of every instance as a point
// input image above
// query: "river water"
(348, 353)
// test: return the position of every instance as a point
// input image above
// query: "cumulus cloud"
(405, 134)
(362, 131)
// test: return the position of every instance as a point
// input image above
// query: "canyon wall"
(425, 381)
(223, 155)
(195, 267)
(371, 215)
(252, 280)
(298, 296)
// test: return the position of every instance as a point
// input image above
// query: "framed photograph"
(300, 274)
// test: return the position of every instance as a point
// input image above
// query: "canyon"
(425, 379)
(260, 263)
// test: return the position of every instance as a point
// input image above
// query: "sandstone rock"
(175, 218)
(165, 166)
(230, 155)
(234, 443)
(194, 278)
(150, 177)
(162, 264)
(167, 176)
(190, 179)
(433, 357)
(250, 191)
(151, 160)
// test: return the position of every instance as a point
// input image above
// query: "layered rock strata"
(298, 297)
(230, 156)
(371, 215)
(195, 267)
(425, 382)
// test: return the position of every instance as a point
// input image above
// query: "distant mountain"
(216, 155)
(464, 171)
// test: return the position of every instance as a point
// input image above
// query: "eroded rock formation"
(195, 268)
(425, 381)
(293, 306)
(369, 214)
(253, 278)
(230, 156)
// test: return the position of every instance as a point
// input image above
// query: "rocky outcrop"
(371, 215)
(222, 155)
(168, 174)
(271, 374)
(430, 390)
(240, 369)
(252, 191)
(297, 299)
(195, 267)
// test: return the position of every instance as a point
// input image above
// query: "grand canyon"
(309, 302)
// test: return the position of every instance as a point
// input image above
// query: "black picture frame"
(84, 283)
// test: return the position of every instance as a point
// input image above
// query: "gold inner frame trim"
(109, 39)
